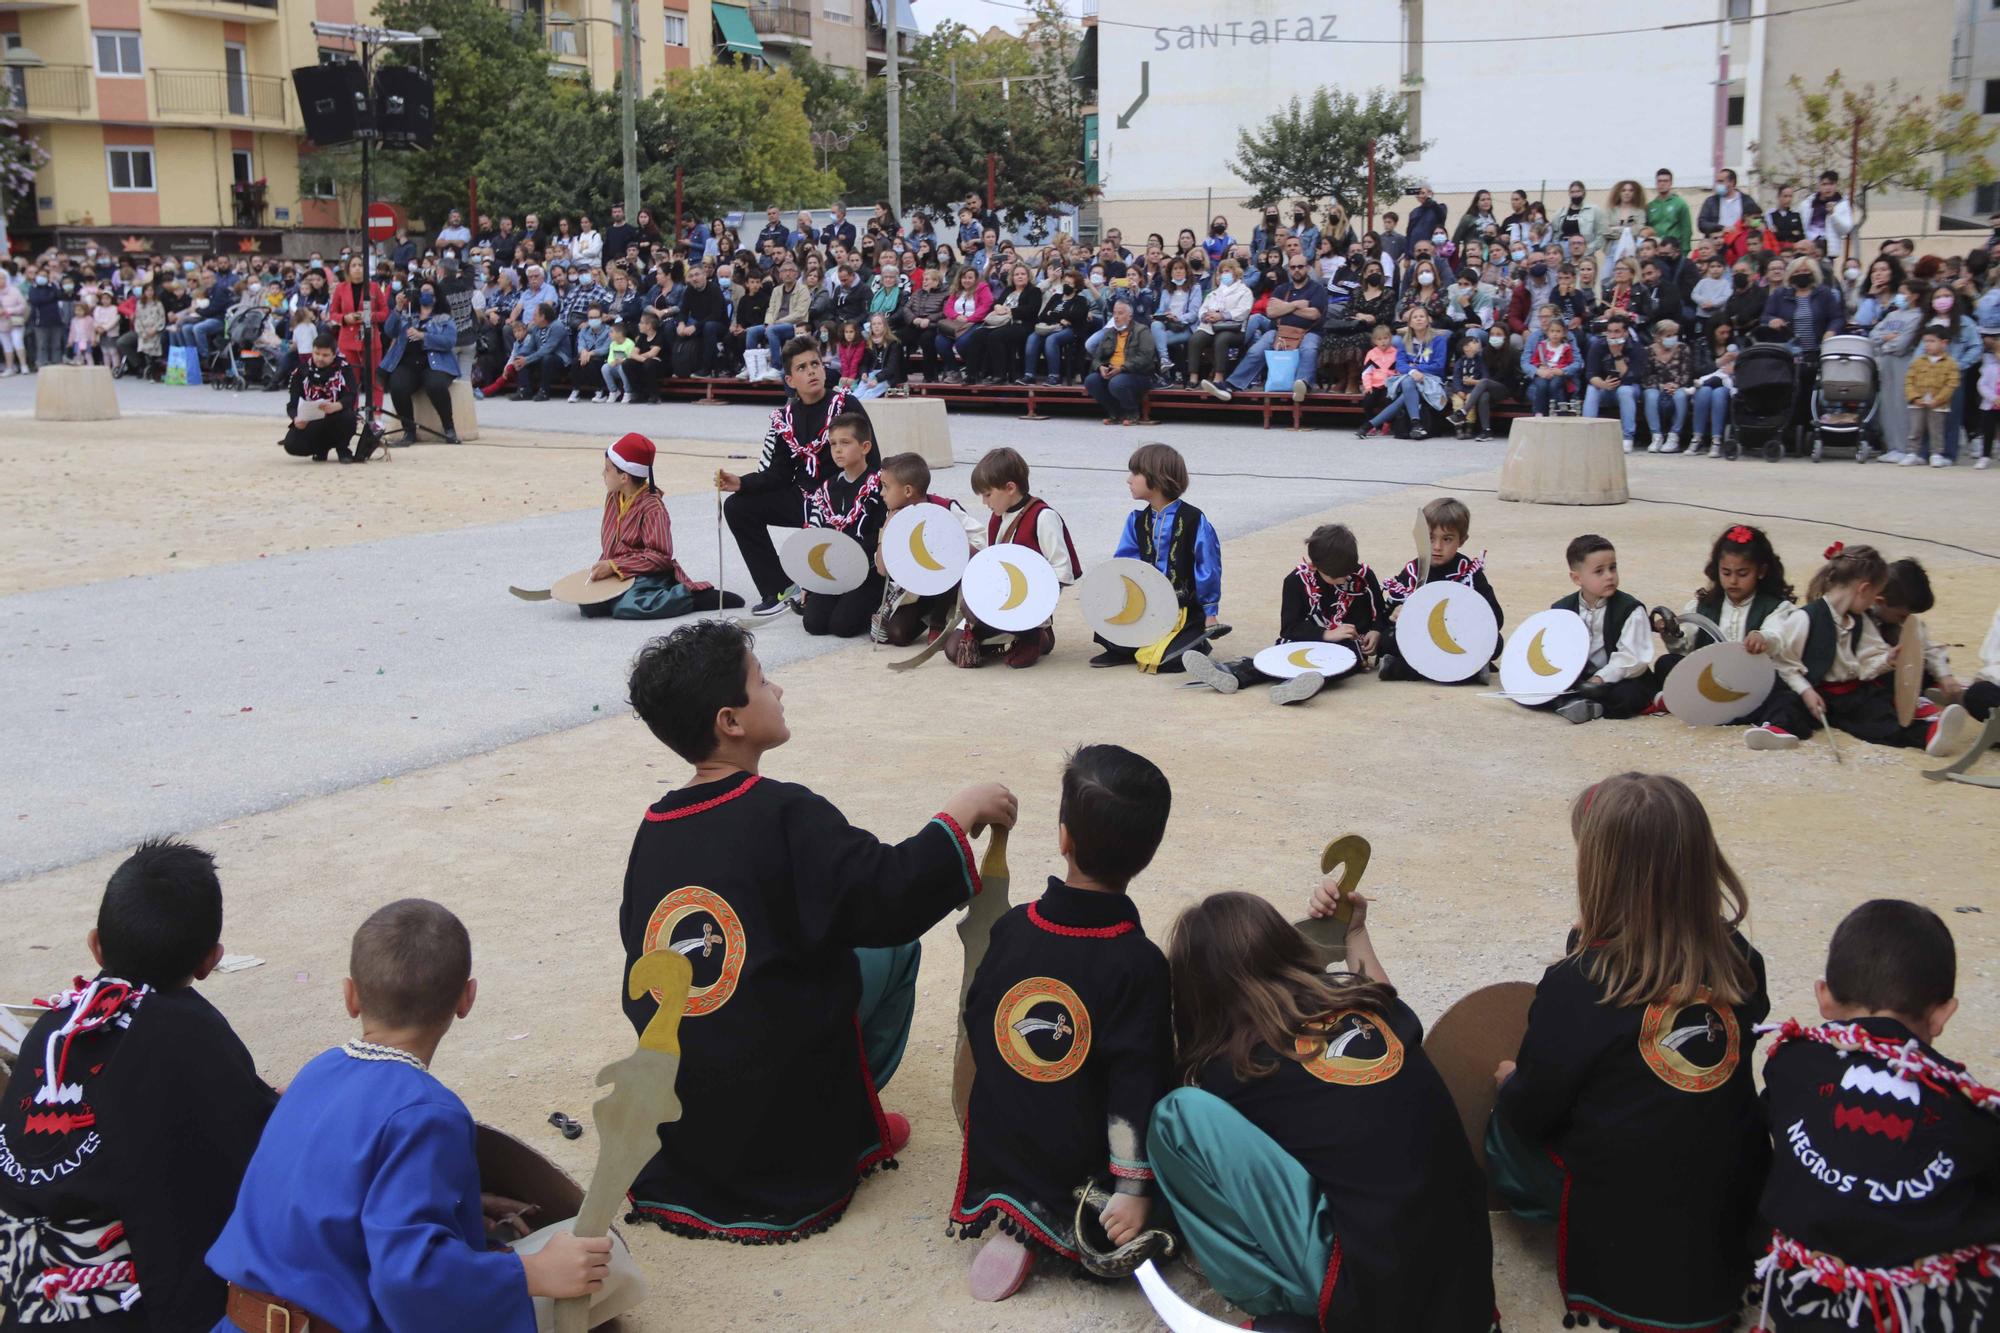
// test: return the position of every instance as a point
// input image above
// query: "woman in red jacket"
(344, 308)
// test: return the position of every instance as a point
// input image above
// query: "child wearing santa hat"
(638, 544)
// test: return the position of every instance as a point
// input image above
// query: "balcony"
(234, 11)
(782, 24)
(213, 95)
(568, 41)
(45, 92)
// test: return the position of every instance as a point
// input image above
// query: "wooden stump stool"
(912, 425)
(464, 414)
(75, 393)
(1564, 461)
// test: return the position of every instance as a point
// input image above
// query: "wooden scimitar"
(642, 1099)
(975, 932)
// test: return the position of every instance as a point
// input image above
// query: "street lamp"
(628, 95)
(829, 142)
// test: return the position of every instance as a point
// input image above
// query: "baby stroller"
(246, 362)
(1844, 402)
(1766, 384)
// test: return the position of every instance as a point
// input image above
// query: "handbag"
(999, 317)
(184, 366)
(1289, 336)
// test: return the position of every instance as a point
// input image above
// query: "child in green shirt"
(621, 347)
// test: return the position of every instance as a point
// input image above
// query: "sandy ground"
(1464, 799)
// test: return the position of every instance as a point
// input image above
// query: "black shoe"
(346, 456)
(451, 437)
(319, 458)
(1218, 630)
(1386, 664)
(1112, 657)
(409, 438)
(1483, 436)
(1419, 433)
(539, 398)
(769, 607)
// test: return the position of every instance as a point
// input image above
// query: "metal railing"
(217, 5)
(567, 38)
(783, 20)
(50, 89)
(218, 94)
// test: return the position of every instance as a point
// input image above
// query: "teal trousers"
(888, 1002)
(1256, 1222)
(1522, 1174)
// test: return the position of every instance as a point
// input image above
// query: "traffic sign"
(381, 222)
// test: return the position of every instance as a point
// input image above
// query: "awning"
(906, 18)
(733, 21)
(1084, 67)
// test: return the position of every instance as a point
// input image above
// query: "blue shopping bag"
(1280, 369)
(183, 365)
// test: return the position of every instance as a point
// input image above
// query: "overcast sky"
(975, 14)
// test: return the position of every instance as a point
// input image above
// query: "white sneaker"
(601, 398)
(1910, 460)
(574, 395)
(625, 397)
(1955, 729)
(1209, 672)
(1894, 456)
(1768, 737)
(1939, 460)
(1715, 450)
(1672, 445)
(1627, 442)
(1298, 689)
(1982, 465)
(744, 373)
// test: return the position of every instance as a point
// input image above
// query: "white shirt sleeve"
(975, 528)
(1633, 652)
(1989, 653)
(1049, 533)
(1788, 647)
(1937, 658)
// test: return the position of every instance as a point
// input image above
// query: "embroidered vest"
(1180, 546)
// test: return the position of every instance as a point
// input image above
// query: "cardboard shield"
(824, 560)
(578, 589)
(1010, 588)
(1724, 682)
(925, 549)
(1328, 934)
(1282, 661)
(1467, 1043)
(1543, 658)
(1909, 670)
(1446, 632)
(1129, 602)
(1423, 535)
(513, 1169)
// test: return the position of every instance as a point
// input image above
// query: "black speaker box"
(334, 101)
(403, 106)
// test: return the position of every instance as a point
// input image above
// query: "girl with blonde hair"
(1629, 1117)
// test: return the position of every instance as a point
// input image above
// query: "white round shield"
(824, 560)
(1010, 588)
(1545, 656)
(1724, 682)
(925, 549)
(1282, 661)
(1129, 602)
(1446, 632)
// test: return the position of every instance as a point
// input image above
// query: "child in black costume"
(1450, 523)
(1330, 598)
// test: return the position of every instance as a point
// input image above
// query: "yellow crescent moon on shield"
(1302, 659)
(1439, 634)
(816, 561)
(921, 553)
(1017, 586)
(1135, 605)
(1716, 691)
(1538, 661)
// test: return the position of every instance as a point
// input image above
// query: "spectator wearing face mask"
(45, 321)
(1727, 208)
(1297, 308)
(1615, 370)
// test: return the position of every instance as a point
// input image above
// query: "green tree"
(21, 157)
(1936, 149)
(1319, 150)
(838, 104)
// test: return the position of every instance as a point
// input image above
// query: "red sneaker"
(899, 1131)
(1768, 737)
(1927, 710)
(1657, 708)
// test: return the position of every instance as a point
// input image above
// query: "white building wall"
(1502, 115)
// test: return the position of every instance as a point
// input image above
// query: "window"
(1739, 10)
(1735, 109)
(677, 30)
(1992, 105)
(130, 169)
(838, 11)
(1987, 201)
(1413, 109)
(333, 55)
(242, 167)
(315, 180)
(118, 55)
(236, 78)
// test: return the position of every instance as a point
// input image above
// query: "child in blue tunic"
(361, 1209)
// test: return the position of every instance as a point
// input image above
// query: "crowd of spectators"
(1629, 304)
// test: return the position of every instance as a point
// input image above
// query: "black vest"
(1762, 604)
(1822, 637)
(1180, 546)
(1616, 612)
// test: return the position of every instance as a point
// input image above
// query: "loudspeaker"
(403, 106)
(334, 100)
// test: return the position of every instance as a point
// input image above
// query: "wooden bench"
(75, 393)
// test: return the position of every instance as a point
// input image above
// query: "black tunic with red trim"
(1376, 1127)
(1881, 1164)
(1072, 1042)
(122, 1146)
(767, 890)
(1308, 605)
(1651, 1112)
(1462, 569)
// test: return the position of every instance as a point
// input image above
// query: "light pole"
(829, 142)
(628, 94)
(895, 144)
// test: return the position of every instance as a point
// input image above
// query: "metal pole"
(367, 412)
(1847, 242)
(952, 66)
(679, 176)
(895, 109)
(1371, 185)
(992, 185)
(627, 110)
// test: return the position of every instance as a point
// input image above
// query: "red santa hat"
(632, 454)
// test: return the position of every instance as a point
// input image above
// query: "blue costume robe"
(362, 1205)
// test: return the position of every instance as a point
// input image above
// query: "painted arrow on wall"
(1145, 91)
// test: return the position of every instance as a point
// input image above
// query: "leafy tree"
(1319, 150)
(1935, 149)
(839, 104)
(20, 158)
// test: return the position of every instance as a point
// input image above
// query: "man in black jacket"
(1727, 206)
(320, 410)
(618, 236)
(704, 314)
(1427, 218)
